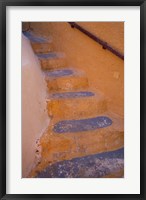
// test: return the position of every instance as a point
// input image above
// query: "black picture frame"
(3, 125)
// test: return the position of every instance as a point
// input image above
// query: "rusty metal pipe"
(104, 44)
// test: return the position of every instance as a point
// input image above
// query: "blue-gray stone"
(72, 94)
(27, 34)
(59, 73)
(34, 38)
(47, 55)
(68, 126)
(92, 166)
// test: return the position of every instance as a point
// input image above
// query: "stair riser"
(76, 108)
(42, 47)
(96, 144)
(67, 84)
(53, 63)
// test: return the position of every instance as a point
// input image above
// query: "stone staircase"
(84, 139)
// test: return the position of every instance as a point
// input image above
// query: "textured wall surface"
(34, 115)
(105, 71)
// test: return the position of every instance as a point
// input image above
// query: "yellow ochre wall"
(104, 70)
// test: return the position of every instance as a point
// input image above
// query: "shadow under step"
(76, 105)
(52, 60)
(91, 166)
(39, 44)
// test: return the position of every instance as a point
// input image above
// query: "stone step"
(76, 105)
(56, 147)
(66, 81)
(91, 166)
(42, 47)
(39, 44)
(89, 124)
(77, 94)
(52, 60)
(34, 38)
(58, 73)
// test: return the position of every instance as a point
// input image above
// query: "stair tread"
(59, 73)
(50, 55)
(82, 124)
(115, 124)
(66, 95)
(36, 39)
(91, 166)
(65, 74)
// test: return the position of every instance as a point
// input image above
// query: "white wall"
(34, 113)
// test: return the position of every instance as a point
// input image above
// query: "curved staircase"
(84, 139)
